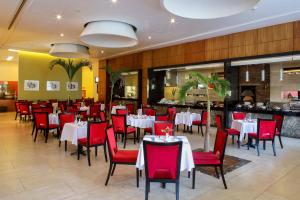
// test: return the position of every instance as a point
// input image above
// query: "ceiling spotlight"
(102, 51)
(9, 58)
(58, 17)
(62, 35)
(254, 8)
(172, 20)
(149, 37)
(114, 1)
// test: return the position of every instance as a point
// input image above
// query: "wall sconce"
(247, 75)
(263, 74)
(281, 73)
(96, 79)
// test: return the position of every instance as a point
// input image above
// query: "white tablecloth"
(53, 119)
(187, 162)
(186, 118)
(244, 127)
(114, 109)
(72, 132)
(142, 121)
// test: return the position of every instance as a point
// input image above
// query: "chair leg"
(78, 151)
(96, 151)
(257, 147)
(232, 138)
(134, 136)
(125, 139)
(113, 170)
(16, 116)
(88, 155)
(137, 178)
(109, 172)
(217, 172)
(66, 145)
(279, 136)
(273, 145)
(189, 174)
(202, 130)
(194, 177)
(47, 133)
(223, 178)
(239, 142)
(36, 132)
(264, 145)
(198, 129)
(177, 190)
(146, 190)
(33, 128)
(104, 149)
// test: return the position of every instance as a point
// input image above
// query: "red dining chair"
(158, 168)
(83, 115)
(161, 128)
(94, 111)
(157, 118)
(24, 111)
(200, 123)
(212, 159)
(120, 127)
(121, 112)
(63, 119)
(119, 157)
(34, 110)
(96, 136)
(79, 100)
(102, 116)
(238, 115)
(279, 122)
(71, 109)
(171, 111)
(149, 111)
(17, 108)
(61, 108)
(42, 123)
(130, 108)
(265, 132)
(231, 131)
(48, 109)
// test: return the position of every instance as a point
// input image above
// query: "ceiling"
(37, 27)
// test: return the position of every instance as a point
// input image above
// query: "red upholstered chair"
(94, 111)
(17, 108)
(157, 118)
(61, 108)
(83, 115)
(265, 132)
(212, 159)
(238, 115)
(121, 112)
(160, 169)
(279, 122)
(120, 127)
(162, 127)
(149, 111)
(63, 103)
(96, 136)
(63, 119)
(24, 110)
(130, 108)
(171, 111)
(48, 109)
(200, 123)
(42, 123)
(79, 100)
(71, 109)
(231, 131)
(34, 110)
(102, 116)
(120, 157)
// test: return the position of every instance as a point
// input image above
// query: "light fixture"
(58, 17)
(69, 50)
(62, 35)
(281, 73)
(13, 50)
(263, 74)
(207, 9)
(96, 79)
(172, 20)
(247, 75)
(102, 51)
(263, 60)
(149, 37)
(9, 58)
(114, 1)
(110, 34)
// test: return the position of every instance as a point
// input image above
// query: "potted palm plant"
(70, 67)
(219, 86)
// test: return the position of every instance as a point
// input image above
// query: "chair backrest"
(79, 100)
(162, 118)
(102, 116)
(53, 100)
(220, 143)
(121, 111)
(149, 111)
(24, 108)
(171, 111)
(279, 122)
(65, 118)
(156, 164)
(162, 127)
(111, 142)
(204, 117)
(17, 106)
(41, 119)
(83, 115)
(48, 109)
(219, 121)
(95, 110)
(119, 123)
(34, 106)
(238, 115)
(61, 108)
(96, 132)
(71, 109)
(266, 128)
(130, 108)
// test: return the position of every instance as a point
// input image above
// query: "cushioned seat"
(203, 158)
(51, 126)
(148, 130)
(83, 141)
(130, 129)
(162, 174)
(277, 132)
(197, 122)
(265, 136)
(232, 131)
(125, 156)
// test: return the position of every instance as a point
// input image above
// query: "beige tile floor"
(38, 171)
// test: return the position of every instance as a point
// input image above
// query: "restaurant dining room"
(152, 99)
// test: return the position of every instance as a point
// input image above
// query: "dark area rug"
(230, 164)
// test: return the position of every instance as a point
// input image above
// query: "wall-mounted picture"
(53, 85)
(72, 86)
(31, 85)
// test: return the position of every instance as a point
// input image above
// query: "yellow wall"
(88, 82)
(9, 71)
(35, 66)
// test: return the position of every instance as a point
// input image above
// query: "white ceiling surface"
(36, 27)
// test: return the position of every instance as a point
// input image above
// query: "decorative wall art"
(53, 86)
(31, 85)
(72, 86)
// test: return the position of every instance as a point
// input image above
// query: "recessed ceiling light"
(58, 17)
(254, 8)
(62, 35)
(102, 51)
(149, 37)
(9, 58)
(172, 20)
(114, 1)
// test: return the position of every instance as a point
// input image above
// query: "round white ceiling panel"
(69, 50)
(207, 9)
(109, 34)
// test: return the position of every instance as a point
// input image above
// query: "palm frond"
(62, 63)
(114, 76)
(79, 65)
(201, 78)
(186, 87)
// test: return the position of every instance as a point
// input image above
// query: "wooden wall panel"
(297, 36)
(102, 81)
(216, 48)
(243, 44)
(194, 52)
(147, 63)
